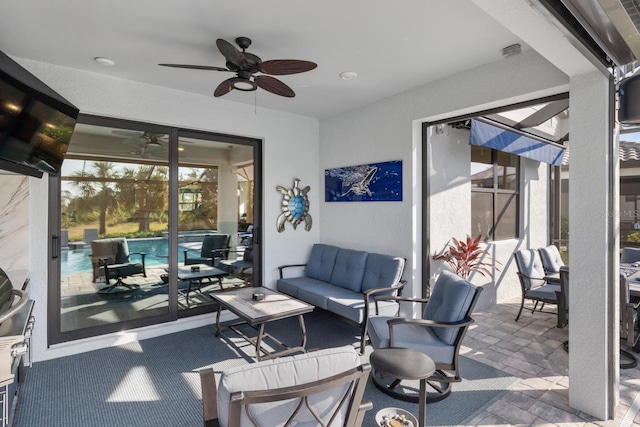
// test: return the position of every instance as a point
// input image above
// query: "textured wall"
(389, 130)
(14, 227)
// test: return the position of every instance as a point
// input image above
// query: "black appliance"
(36, 123)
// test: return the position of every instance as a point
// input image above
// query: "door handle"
(55, 246)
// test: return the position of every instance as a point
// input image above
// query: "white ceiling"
(392, 45)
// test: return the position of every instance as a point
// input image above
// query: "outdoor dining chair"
(630, 255)
(532, 280)
(551, 259)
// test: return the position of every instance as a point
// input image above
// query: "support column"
(228, 201)
(593, 247)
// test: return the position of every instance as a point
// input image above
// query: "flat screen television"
(36, 123)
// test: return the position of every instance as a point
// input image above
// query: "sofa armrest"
(282, 267)
(371, 293)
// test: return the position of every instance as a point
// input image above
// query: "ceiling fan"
(246, 65)
(144, 143)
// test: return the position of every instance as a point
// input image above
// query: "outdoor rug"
(155, 382)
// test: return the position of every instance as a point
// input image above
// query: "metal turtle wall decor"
(295, 206)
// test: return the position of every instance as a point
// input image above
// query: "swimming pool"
(75, 261)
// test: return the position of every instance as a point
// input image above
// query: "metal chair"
(629, 325)
(551, 259)
(214, 247)
(532, 280)
(321, 388)
(438, 334)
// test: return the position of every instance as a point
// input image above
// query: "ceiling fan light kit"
(246, 65)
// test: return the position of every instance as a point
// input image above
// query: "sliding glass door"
(134, 213)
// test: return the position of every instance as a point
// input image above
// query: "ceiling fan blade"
(231, 53)
(281, 67)
(224, 88)
(275, 86)
(195, 67)
(128, 133)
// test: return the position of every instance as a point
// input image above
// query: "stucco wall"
(388, 130)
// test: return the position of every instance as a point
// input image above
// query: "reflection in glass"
(481, 167)
(215, 208)
(114, 226)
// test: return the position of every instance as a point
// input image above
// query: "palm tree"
(97, 190)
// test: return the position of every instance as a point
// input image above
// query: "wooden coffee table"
(274, 306)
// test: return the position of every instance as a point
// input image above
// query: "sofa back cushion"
(382, 271)
(450, 301)
(286, 372)
(349, 269)
(321, 262)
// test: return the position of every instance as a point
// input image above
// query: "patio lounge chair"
(319, 388)
(214, 247)
(112, 259)
(438, 334)
(532, 280)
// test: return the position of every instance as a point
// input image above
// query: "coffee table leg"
(259, 342)
(218, 320)
(303, 329)
(422, 420)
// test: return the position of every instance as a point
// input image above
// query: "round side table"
(405, 364)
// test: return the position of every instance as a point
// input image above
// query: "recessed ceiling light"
(104, 61)
(348, 75)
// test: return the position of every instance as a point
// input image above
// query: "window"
(494, 193)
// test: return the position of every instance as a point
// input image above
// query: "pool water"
(75, 261)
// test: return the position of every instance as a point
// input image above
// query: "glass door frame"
(54, 333)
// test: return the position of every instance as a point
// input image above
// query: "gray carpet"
(155, 382)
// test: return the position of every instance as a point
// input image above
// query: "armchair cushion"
(321, 261)
(287, 372)
(421, 338)
(450, 300)
(122, 255)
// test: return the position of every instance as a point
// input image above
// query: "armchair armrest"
(282, 267)
(142, 255)
(398, 299)
(209, 397)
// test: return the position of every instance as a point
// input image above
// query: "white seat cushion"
(285, 372)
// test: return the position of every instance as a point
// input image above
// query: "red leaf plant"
(466, 257)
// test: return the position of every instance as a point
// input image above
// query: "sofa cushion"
(349, 269)
(382, 271)
(350, 305)
(286, 372)
(319, 295)
(291, 286)
(321, 262)
(449, 301)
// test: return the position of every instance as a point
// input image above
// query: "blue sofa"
(344, 282)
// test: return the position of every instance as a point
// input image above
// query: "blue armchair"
(438, 334)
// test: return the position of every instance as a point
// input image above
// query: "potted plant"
(466, 256)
